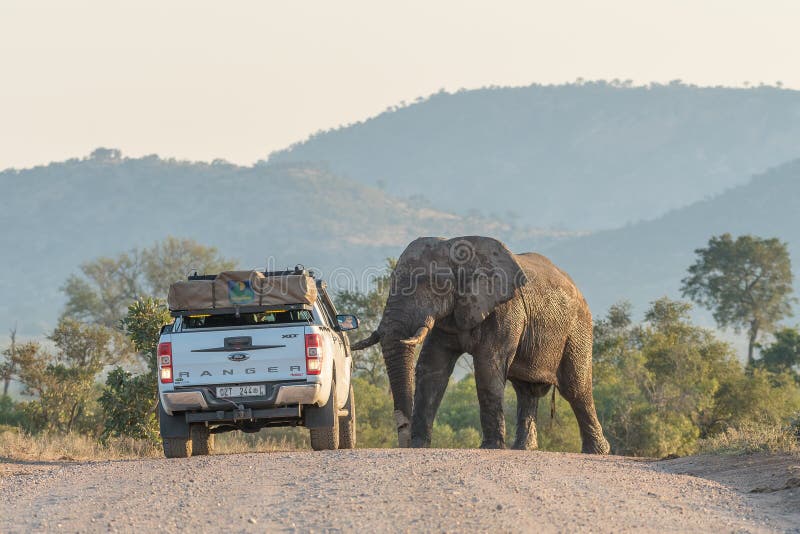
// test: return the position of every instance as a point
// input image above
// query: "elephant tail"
(553, 406)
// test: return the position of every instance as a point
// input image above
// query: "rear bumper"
(286, 413)
(202, 398)
(181, 401)
(247, 419)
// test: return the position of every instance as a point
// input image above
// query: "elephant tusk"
(373, 338)
(418, 338)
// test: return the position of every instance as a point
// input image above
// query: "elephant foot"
(493, 444)
(403, 429)
(420, 443)
(526, 445)
(599, 446)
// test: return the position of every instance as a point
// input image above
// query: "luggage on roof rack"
(235, 291)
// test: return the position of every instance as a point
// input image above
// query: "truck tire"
(177, 447)
(327, 438)
(347, 424)
(202, 440)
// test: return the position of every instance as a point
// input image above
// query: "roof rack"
(202, 277)
(243, 309)
(299, 269)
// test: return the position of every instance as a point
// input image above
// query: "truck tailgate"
(238, 356)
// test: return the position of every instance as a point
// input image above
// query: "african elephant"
(519, 316)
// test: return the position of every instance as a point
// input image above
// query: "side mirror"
(347, 322)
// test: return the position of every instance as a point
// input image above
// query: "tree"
(657, 384)
(142, 325)
(107, 286)
(129, 400)
(10, 414)
(8, 367)
(104, 290)
(63, 381)
(746, 283)
(172, 259)
(783, 354)
(106, 154)
(13, 357)
(759, 397)
(620, 377)
(128, 406)
(375, 423)
(368, 306)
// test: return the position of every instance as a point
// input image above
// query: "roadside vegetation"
(747, 438)
(16, 444)
(663, 386)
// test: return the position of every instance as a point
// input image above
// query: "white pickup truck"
(241, 354)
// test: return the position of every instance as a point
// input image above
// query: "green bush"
(374, 415)
(129, 405)
(664, 385)
(459, 414)
(559, 433)
(759, 396)
(751, 437)
(128, 401)
(459, 408)
(63, 382)
(10, 413)
(445, 437)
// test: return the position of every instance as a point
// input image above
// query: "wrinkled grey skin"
(519, 316)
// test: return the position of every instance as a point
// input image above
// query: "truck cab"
(242, 355)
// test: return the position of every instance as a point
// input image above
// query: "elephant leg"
(434, 367)
(490, 381)
(527, 405)
(575, 385)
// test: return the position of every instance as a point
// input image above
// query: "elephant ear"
(487, 275)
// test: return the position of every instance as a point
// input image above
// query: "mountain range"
(587, 156)
(278, 215)
(645, 261)
(617, 184)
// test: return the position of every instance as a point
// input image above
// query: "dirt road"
(378, 490)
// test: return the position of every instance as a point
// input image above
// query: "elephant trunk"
(367, 342)
(398, 354)
(399, 360)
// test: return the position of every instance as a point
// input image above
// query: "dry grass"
(751, 438)
(264, 441)
(17, 446)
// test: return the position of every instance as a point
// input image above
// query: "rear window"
(247, 319)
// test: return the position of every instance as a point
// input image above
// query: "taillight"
(164, 355)
(313, 354)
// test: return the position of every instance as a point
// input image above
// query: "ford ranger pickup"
(249, 350)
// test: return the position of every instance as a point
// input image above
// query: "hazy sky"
(235, 80)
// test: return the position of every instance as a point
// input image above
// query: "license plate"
(258, 390)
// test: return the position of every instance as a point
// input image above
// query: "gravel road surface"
(374, 490)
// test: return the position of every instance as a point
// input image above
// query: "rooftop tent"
(235, 289)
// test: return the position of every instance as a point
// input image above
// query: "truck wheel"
(347, 424)
(177, 447)
(202, 440)
(327, 438)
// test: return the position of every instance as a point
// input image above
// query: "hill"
(644, 261)
(583, 156)
(57, 216)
